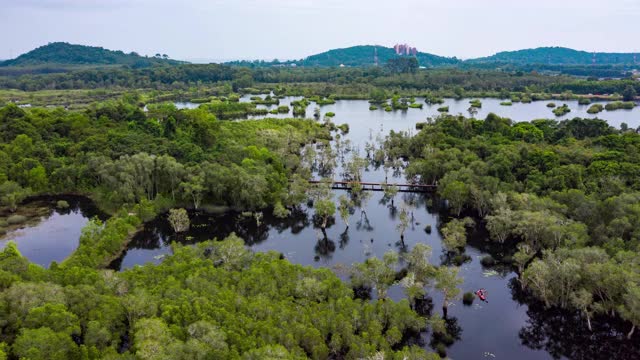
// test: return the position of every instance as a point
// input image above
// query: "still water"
(51, 234)
(357, 111)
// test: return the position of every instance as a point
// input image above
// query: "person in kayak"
(482, 294)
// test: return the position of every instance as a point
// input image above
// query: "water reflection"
(51, 232)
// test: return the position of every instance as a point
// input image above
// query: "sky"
(221, 30)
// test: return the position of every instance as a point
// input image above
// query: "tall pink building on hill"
(404, 49)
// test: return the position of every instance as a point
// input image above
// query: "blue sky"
(292, 29)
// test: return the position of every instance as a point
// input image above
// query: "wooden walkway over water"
(373, 186)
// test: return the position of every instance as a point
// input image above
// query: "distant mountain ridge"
(364, 55)
(62, 53)
(558, 56)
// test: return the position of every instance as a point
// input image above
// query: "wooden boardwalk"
(373, 186)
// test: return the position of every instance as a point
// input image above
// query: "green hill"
(363, 55)
(61, 53)
(556, 56)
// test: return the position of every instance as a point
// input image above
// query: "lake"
(51, 233)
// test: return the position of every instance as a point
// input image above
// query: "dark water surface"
(54, 233)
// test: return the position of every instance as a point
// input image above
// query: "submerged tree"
(420, 272)
(257, 216)
(375, 273)
(630, 309)
(343, 208)
(583, 300)
(390, 192)
(179, 220)
(447, 282)
(325, 208)
(455, 234)
(404, 222)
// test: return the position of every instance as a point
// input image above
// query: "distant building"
(404, 49)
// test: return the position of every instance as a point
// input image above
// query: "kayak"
(481, 295)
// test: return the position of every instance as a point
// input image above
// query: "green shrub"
(16, 219)
(562, 110)
(506, 103)
(460, 259)
(487, 261)
(551, 105)
(387, 108)
(443, 109)
(616, 105)
(595, 108)
(475, 103)
(200, 101)
(373, 107)
(259, 112)
(329, 101)
(62, 204)
(537, 97)
(433, 100)
(468, 298)
(415, 106)
(330, 114)
(584, 101)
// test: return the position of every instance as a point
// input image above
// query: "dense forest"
(402, 77)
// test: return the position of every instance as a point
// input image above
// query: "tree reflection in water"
(564, 333)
